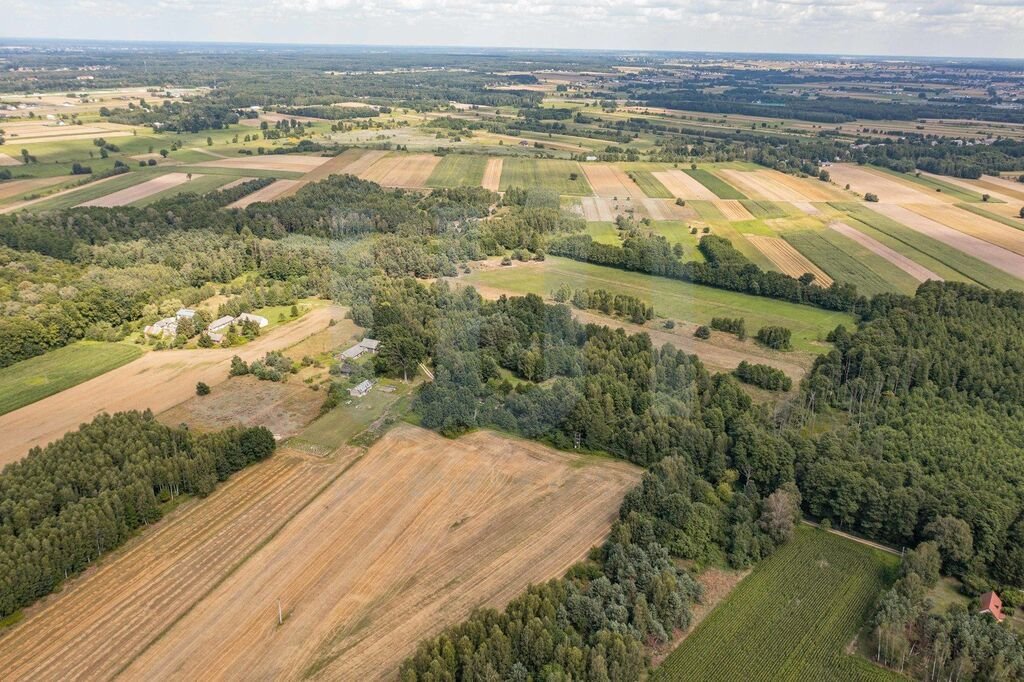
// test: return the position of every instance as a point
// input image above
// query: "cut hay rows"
(733, 210)
(138, 192)
(272, 162)
(682, 186)
(787, 259)
(888, 189)
(918, 272)
(402, 170)
(419, 532)
(100, 622)
(272, 191)
(975, 225)
(996, 256)
(492, 175)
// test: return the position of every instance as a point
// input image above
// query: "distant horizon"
(983, 29)
(9, 42)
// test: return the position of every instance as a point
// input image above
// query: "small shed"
(991, 603)
(362, 389)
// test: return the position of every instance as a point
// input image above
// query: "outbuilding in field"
(361, 390)
(991, 603)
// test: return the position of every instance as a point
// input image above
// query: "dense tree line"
(63, 506)
(607, 302)
(762, 376)
(726, 268)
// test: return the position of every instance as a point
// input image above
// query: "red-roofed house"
(991, 603)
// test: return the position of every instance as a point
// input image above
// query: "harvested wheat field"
(105, 618)
(806, 207)
(492, 175)
(130, 195)
(888, 189)
(272, 191)
(975, 225)
(29, 202)
(597, 209)
(733, 210)
(788, 259)
(402, 170)
(683, 186)
(996, 256)
(339, 165)
(272, 162)
(13, 188)
(158, 381)
(1009, 188)
(608, 181)
(419, 532)
(769, 185)
(666, 209)
(915, 270)
(6, 160)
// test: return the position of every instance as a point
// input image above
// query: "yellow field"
(402, 170)
(787, 259)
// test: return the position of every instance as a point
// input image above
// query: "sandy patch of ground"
(492, 175)
(733, 210)
(788, 259)
(597, 209)
(666, 209)
(996, 256)
(682, 186)
(268, 193)
(140, 191)
(974, 225)
(419, 532)
(272, 162)
(888, 189)
(6, 160)
(915, 270)
(102, 620)
(402, 170)
(13, 188)
(158, 381)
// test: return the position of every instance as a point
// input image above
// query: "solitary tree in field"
(209, 141)
(202, 389)
(164, 153)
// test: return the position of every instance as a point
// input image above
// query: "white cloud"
(936, 27)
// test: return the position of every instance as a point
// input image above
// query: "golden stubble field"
(368, 553)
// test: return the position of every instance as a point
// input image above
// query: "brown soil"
(158, 381)
(402, 170)
(272, 191)
(338, 165)
(140, 191)
(787, 259)
(419, 532)
(915, 270)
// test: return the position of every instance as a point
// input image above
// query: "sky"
(991, 28)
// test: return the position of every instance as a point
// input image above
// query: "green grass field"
(650, 185)
(964, 265)
(549, 174)
(721, 188)
(199, 184)
(847, 261)
(604, 233)
(934, 184)
(30, 380)
(791, 618)
(458, 170)
(1015, 223)
(764, 209)
(670, 298)
(678, 231)
(336, 428)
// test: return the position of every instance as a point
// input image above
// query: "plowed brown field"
(367, 555)
(788, 259)
(402, 170)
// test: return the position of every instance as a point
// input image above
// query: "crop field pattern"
(458, 170)
(545, 174)
(791, 618)
(788, 260)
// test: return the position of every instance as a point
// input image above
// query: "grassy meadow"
(458, 170)
(554, 175)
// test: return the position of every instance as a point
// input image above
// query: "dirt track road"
(158, 380)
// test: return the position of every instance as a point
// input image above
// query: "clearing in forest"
(787, 259)
(792, 617)
(409, 171)
(415, 535)
(130, 195)
(274, 190)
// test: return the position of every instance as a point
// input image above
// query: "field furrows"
(404, 170)
(492, 175)
(682, 186)
(787, 259)
(887, 188)
(418, 533)
(102, 620)
(915, 270)
(973, 225)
